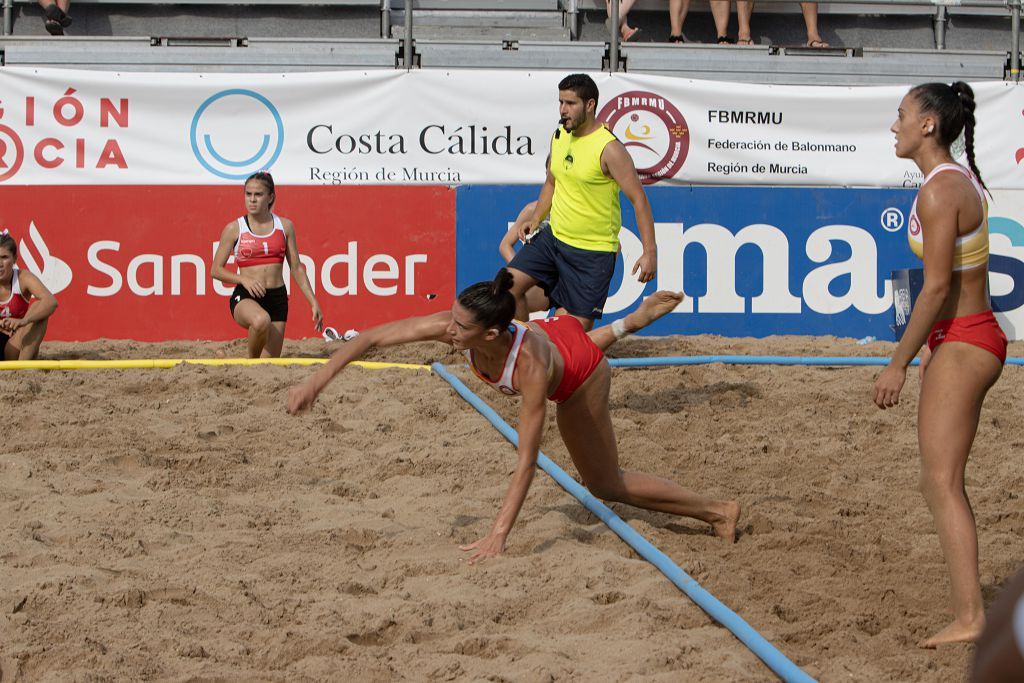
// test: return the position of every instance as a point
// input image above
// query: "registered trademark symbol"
(892, 219)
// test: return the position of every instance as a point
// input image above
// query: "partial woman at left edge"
(25, 306)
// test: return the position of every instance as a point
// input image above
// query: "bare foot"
(725, 528)
(955, 633)
(653, 307)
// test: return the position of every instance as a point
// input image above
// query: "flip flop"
(630, 35)
(725, 40)
(744, 41)
(56, 20)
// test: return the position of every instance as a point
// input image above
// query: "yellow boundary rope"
(171, 362)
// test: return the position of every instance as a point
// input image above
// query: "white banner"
(68, 127)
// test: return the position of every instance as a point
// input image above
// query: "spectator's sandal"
(56, 20)
(725, 40)
(676, 39)
(745, 41)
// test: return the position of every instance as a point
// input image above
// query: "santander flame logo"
(54, 273)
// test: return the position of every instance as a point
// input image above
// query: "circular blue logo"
(236, 133)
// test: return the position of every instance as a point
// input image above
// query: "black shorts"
(574, 279)
(3, 344)
(274, 302)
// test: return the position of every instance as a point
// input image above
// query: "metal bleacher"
(974, 40)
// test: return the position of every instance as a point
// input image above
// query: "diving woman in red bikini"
(553, 359)
(966, 349)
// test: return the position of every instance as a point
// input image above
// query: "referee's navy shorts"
(574, 279)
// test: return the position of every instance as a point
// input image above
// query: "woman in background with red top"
(260, 242)
(25, 306)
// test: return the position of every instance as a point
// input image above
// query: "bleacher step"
(483, 33)
(470, 18)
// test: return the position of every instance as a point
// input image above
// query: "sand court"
(178, 524)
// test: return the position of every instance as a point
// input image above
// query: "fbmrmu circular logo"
(652, 130)
(236, 133)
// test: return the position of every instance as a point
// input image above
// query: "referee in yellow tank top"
(573, 261)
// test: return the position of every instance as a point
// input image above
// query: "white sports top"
(971, 250)
(504, 384)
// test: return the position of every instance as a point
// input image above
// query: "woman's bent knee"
(260, 323)
(615, 493)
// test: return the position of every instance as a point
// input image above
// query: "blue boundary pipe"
(763, 360)
(775, 660)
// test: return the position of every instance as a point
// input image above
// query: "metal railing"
(614, 49)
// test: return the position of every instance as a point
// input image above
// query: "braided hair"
(953, 107)
(491, 302)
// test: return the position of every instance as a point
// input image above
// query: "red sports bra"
(259, 250)
(16, 305)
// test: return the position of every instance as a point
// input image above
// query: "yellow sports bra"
(971, 250)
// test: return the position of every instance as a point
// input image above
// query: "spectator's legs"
(744, 9)
(720, 13)
(625, 30)
(810, 12)
(677, 10)
(56, 15)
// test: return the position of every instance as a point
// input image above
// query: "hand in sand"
(491, 545)
(301, 397)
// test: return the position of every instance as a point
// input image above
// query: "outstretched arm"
(425, 328)
(532, 378)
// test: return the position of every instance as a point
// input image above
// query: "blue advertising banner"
(751, 261)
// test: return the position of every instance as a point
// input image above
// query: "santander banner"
(134, 262)
(430, 127)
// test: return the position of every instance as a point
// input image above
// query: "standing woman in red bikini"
(260, 242)
(948, 230)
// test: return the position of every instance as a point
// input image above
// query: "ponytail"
(491, 302)
(966, 97)
(953, 107)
